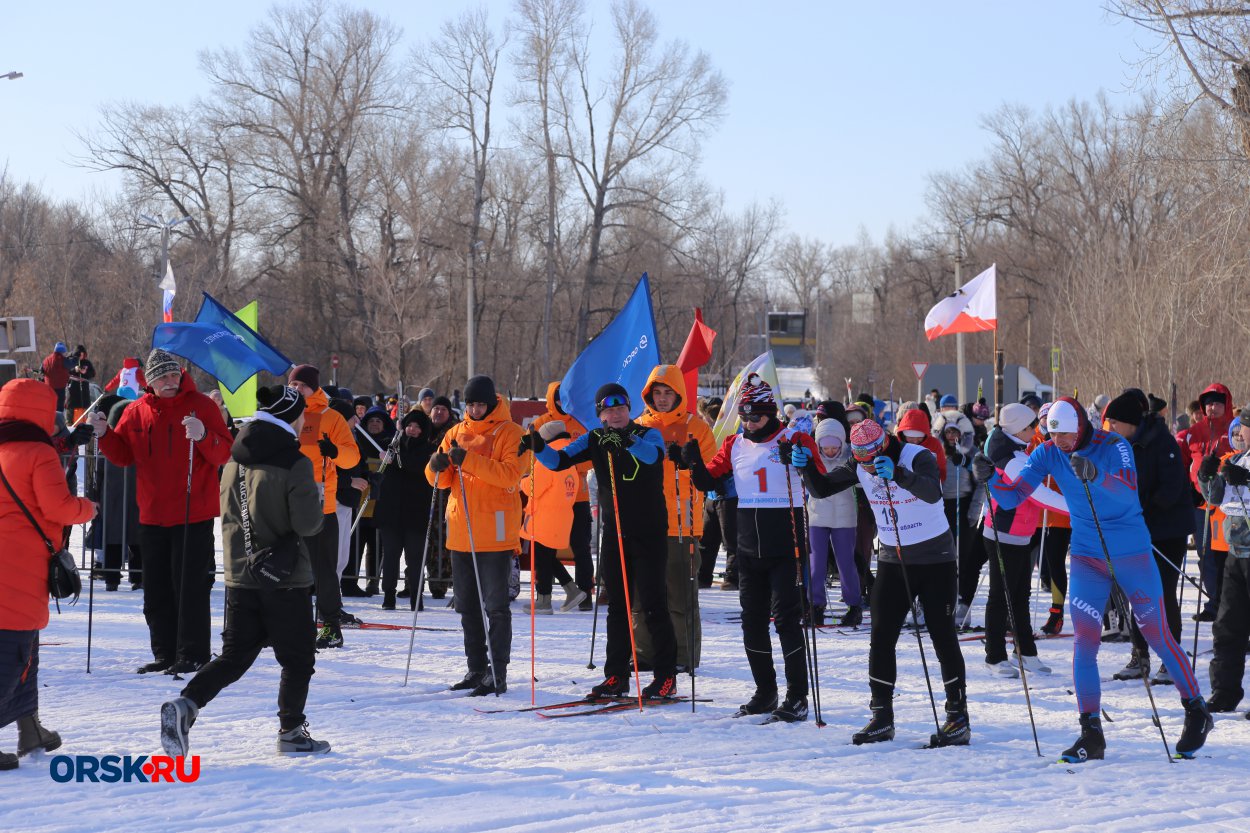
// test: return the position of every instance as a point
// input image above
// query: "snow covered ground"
(416, 759)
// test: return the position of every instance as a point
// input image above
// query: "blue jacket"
(1114, 491)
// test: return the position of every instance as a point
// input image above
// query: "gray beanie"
(159, 363)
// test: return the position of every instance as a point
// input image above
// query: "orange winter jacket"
(678, 426)
(320, 418)
(33, 469)
(492, 476)
(549, 514)
(575, 429)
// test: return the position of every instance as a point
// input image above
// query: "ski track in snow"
(422, 759)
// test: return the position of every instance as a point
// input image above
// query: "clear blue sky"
(838, 110)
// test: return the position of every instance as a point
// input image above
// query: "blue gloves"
(884, 466)
(800, 457)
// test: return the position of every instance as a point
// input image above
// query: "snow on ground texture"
(414, 759)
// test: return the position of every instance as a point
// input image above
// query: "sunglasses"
(752, 418)
(613, 400)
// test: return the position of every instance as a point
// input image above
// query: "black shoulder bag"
(63, 578)
(274, 564)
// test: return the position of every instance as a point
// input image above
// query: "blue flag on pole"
(625, 352)
(220, 344)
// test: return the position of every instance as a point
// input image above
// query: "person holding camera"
(34, 482)
(269, 506)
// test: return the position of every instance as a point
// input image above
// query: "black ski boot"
(1054, 625)
(492, 682)
(853, 618)
(1198, 722)
(471, 681)
(612, 686)
(955, 731)
(880, 728)
(1090, 746)
(792, 710)
(661, 688)
(762, 702)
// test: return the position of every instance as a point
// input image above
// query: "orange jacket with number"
(678, 426)
(492, 476)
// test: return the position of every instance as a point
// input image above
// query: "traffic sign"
(334, 360)
(1054, 360)
(920, 368)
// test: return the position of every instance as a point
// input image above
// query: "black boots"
(612, 686)
(853, 617)
(492, 682)
(32, 736)
(1198, 722)
(955, 731)
(763, 701)
(793, 709)
(1090, 746)
(880, 728)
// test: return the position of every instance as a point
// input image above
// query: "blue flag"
(625, 352)
(220, 344)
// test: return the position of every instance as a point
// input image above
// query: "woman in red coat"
(33, 470)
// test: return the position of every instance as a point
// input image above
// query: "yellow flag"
(242, 403)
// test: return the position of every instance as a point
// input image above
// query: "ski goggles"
(613, 400)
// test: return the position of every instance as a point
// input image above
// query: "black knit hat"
(280, 402)
(1126, 407)
(480, 389)
(613, 390)
(441, 400)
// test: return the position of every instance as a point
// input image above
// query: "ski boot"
(792, 710)
(1054, 625)
(1198, 722)
(955, 731)
(880, 728)
(661, 688)
(1090, 746)
(330, 636)
(490, 683)
(31, 735)
(761, 702)
(1138, 667)
(612, 686)
(853, 618)
(471, 681)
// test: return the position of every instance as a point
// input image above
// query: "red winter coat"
(55, 373)
(1207, 437)
(150, 436)
(33, 469)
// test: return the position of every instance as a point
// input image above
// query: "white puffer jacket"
(836, 511)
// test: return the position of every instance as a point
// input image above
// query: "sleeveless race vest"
(916, 521)
(760, 476)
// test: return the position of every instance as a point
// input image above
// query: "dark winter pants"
(683, 605)
(323, 549)
(19, 675)
(1174, 550)
(934, 586)
(408, 540)
(176, 587)
(493, 569)
(1017, 558)
(971, 560)
(579, 543)
(720, 527)
(963, 535)
(645, 560)
(1210, 561)
(865, 534)
(362, 558)
(255, 619)
(768, 587)
(1231, 630)
(113, 563)
(546, 565)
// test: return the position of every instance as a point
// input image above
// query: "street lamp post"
(164, 225)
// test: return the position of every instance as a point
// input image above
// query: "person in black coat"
(402, 512)
(1164, 491)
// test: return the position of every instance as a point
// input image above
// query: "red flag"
(696, 353)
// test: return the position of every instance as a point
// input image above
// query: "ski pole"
(595, 585)
(1181, 571)
(186, 528)
(1145, 678)
(477, 577)
(620, 547)
(815, 652)
(681, 508)
(898, 549)
(1011, 617)
(103, 516)
(420, 589)
(1205, 551)
(533, 512)
(387, 456)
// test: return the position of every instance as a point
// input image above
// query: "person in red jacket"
(33, 470)
(1209, 436)
(56, 373)
(172, 426)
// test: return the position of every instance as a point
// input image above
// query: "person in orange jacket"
(33, 471)
(548, 521)
(667, 411)
(483, 526)
(579, 535)
(327, 441)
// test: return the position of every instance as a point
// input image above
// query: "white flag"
(973, 308)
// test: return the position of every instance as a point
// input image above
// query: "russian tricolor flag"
(169, 290)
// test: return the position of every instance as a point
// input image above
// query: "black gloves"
(440, 462)
(982, 468)
(690, 454)
(81, 435)
(327, 447)
(457, 455)
(674, 454)
(532, 441)
(1083, 468)
(1235, 475)
(785, 449)
(1209, 466)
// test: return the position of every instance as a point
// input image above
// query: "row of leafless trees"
(360, 189)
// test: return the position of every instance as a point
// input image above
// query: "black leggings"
(1017, 558)
(1174, 549)
(546, 566)
(934, 586)
(769, 588)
